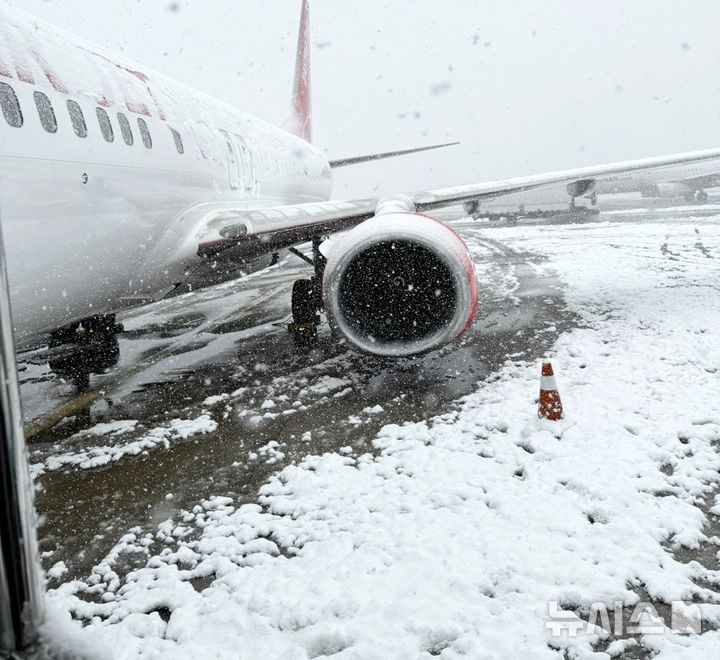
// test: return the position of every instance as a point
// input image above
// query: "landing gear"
(307, 299)
(304, 312)
(99, 327)
(698, 196)
(582, 210)
(87, 347)
(472, 208)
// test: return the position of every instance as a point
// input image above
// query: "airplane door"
(248, 167)
(232, 162)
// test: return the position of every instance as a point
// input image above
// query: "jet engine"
(581, 187)
(400, 284)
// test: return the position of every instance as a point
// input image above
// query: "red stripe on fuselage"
(23, 72)
(50, 73)
(4, 70)
(138, 108)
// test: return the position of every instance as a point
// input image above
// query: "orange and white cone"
(550, 406)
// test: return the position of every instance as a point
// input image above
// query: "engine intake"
(581, 187)
(400, 284)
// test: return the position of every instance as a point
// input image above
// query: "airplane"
(119, 186)
(687, 181)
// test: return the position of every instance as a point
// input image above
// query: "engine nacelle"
(581, 187)
(400, 284)
(667, 190)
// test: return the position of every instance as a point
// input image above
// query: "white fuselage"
(645, 181)
(91, 225)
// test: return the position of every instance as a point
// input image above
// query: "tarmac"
(223, 356)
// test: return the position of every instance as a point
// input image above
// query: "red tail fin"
(300, 120)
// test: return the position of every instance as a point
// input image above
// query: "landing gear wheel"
(305, 320)
(83, 348)
(701, 196)
(92, 328)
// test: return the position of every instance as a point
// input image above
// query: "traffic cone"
(550, 406)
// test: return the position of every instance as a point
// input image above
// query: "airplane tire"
(66, 335)
(302, 301)
(303, 305)
(93, 328)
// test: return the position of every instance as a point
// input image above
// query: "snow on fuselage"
(100, 161)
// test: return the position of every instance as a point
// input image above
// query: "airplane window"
(145, 133)
(125, 128)
(77, 118)
(10, 106)
(46, 112)
(105, 125)
(178, 141)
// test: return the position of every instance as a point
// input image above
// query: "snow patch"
(457, 533)
(94, 457)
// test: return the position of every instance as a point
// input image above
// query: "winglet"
(300, 120)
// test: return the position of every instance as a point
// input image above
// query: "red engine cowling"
(400, 284)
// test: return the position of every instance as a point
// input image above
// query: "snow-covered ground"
(456, 536)
(86, 458)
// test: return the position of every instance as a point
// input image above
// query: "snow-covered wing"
(264, 230)
(273, 228)
(445, 196)
(707, 180)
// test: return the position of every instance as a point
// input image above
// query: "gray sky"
(527, 86)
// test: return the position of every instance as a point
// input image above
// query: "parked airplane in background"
(117, 184)
(687, 181)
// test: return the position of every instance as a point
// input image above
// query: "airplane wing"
(355, 160)
(262, 231)
(708, 180)
(222, 226)
(437, 198)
